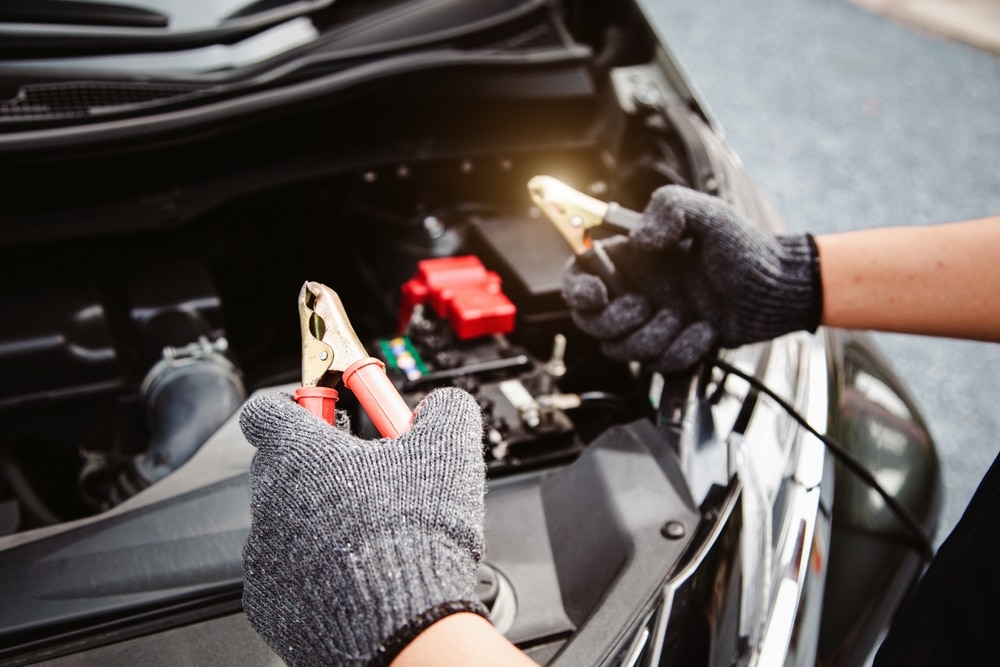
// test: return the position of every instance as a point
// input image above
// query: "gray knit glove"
(702, 275)
(356, 546)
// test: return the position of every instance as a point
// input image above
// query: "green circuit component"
(402, 357)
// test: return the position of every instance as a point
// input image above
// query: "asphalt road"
(850, 120)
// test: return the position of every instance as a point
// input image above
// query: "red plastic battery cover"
(461, 290)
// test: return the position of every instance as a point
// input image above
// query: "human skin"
(462, 639)
(937, 280)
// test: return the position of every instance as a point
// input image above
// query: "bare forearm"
(941, 280)
(462, 639)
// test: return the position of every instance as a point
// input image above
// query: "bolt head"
(646, 95)
(673, 530)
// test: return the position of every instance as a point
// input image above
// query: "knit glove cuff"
(788, 299)
(400, 639)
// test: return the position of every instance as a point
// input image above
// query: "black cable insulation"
(922, 540)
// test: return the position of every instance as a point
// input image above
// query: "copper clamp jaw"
(574, 215)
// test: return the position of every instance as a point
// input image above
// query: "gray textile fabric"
(699, 275)
(356, 545)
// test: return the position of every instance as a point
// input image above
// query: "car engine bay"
(163, 280)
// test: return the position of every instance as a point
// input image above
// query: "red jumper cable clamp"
(331, 353)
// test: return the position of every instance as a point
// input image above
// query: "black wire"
(921, 541)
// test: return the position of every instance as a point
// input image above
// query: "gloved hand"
(703, 275)
(356, 546)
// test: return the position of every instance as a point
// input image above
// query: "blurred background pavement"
(867, 115)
